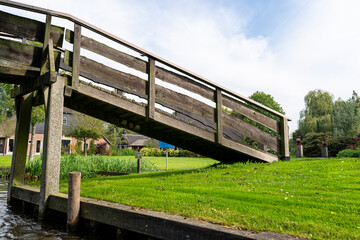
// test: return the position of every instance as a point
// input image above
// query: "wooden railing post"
(219, 119)
(76, 56)
(150, 111)
(45, 44)
(284, 133)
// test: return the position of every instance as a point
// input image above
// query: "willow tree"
(318, 113)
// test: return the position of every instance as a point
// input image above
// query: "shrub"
(349, 153)
(155, 152)
(89, 166)
(92, 147)
(312, 143)
(336, 144)
(101, 148)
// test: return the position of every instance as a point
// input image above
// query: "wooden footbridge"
(123, 84)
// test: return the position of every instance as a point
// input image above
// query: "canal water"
(16, 225)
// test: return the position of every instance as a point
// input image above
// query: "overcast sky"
(283, 48)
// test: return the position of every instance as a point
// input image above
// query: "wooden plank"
(108, 52)
(108, 98)
(24, 54)
(33, 85)
(184, 82)
(103, 74)
(76, 56)
(284, 145)
(251, 131)
(29, 29)
(45, 48)
(174, 123)
(151, 89)
(250, 113)
(140, 65)
(219, 121)
(258, 154)
(185, 102)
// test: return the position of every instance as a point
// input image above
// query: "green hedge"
(313, 141)
(156, 152)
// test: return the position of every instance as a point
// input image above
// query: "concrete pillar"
(299, 148)
(73, 212)
(299, 151)
(50, 169)
(23, 115)
(324, 149)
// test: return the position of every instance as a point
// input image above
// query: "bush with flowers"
(352, 150)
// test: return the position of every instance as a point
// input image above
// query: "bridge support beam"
(50, 169)
(23, 115)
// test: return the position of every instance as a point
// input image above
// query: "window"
(11, 145)
(38, 146)
(65, 120)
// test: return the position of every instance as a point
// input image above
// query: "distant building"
(137, 141)
(7, 132)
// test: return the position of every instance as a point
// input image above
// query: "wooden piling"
(73, 211)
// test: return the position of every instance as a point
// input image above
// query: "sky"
(283, 48)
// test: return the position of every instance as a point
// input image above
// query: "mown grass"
(176, 162)
(311, 198)
(5, 161)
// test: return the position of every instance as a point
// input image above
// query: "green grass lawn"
(176, 162)
(311, 198)
(5, 161)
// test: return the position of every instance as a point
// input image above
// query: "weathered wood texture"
(141, 65)
(250, 113)
(251, 131)
(24, 53)
(103, 74)
(23, 115)
(29, 29)
(150, 89)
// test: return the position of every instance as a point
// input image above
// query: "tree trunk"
(85, 148)
(31, 153)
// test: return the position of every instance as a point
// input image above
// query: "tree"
(7, 105)
(318, 113)
(84, 127)
(115, 135)
(37, 116)
(347, 117)
(267, 100)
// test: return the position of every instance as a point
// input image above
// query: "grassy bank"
(311, 198)
(5, 161)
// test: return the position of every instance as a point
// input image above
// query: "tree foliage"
(84, 127)
(347, 117)
(37, 116)
(318, 113)
(267, 100)
(7, 105)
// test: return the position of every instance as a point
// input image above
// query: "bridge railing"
(232, 118)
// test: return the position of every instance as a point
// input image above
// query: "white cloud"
(317, 48)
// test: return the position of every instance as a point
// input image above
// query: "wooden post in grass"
(73, 211)
(138, 156)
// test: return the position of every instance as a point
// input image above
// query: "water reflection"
(17, 225)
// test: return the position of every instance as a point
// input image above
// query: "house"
(7, 132)
(137, 141)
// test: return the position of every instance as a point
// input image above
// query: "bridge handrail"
(137, 49)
